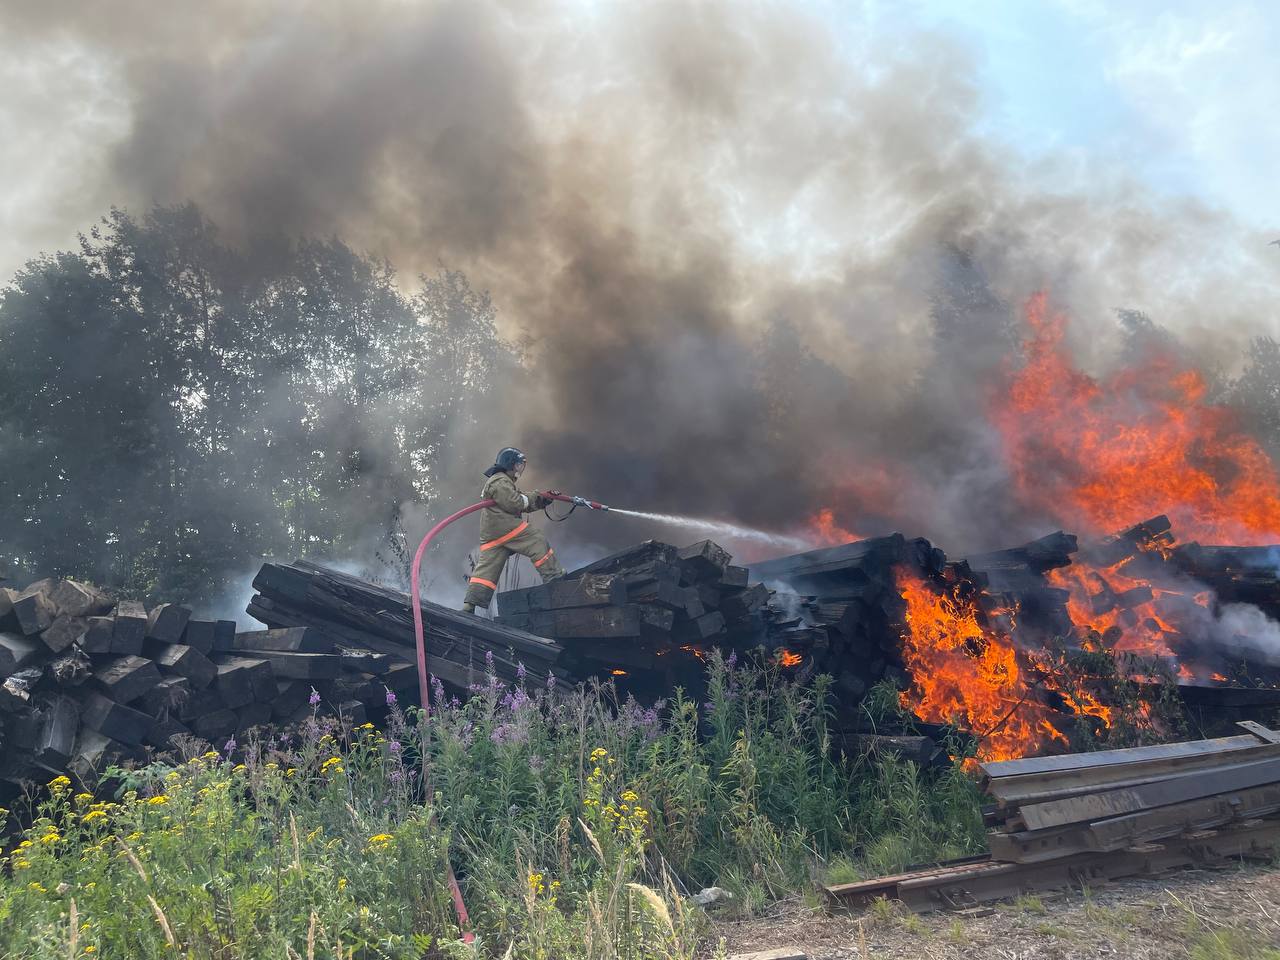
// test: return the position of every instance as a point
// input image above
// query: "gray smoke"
(727, 240)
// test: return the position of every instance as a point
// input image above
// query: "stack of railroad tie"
(1083, 819)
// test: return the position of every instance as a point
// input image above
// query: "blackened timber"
(599, 622)
(703, 628)
(291, 639)
(126, 678)
(63, 632)
(115, 720)
(130, 627)
(630, 557)
(199, 635)
(183, 660)
(167, 622)
(57, 737)
(704, 560)
(289, 665)
(97, 636)
(31, 610)
(16, 651)
(590, 590)
(1101, 758)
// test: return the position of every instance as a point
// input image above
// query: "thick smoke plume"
(755, 264)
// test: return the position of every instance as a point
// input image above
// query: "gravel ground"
(1232, 913)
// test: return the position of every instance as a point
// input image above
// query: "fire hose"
(424, 685)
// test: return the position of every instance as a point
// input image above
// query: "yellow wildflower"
(157, 801)
(535, 883)
(59, 783)
(630, 796)
(237, 768)
(380, 841)
(365, 726)
(37, 886)
(342, 884)
(83, 797)
(213, 755)
(291, 771)
(24, 844)
(90, 885)
(91, 949)
(273, 766)
(598, 752)
(173, 775)
(93, 815)
(50, 838)
(21, 864)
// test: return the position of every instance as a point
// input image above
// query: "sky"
(1182, 94)
(1177, 95)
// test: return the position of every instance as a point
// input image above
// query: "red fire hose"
(424, 685)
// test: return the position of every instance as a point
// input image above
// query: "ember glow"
(1101, 454)
(965, 674)
(788, 658)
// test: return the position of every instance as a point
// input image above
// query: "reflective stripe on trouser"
(531, 543)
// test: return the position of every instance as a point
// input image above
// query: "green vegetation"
(576, 824)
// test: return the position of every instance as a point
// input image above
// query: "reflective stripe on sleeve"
(485, 583)
(543, 559)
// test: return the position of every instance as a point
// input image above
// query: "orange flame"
(1100, 454)
(823, 530)
(969, 674)
(618, 673)
(788, 659)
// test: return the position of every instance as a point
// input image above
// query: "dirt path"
(1227, 914)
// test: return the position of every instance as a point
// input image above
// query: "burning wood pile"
(1084, 819)
(86, 680)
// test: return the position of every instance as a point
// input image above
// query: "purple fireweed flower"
(520, 671)
(315, 697)
(396, 776)
(393, 746)
(551, 681)
(733, 660)
(391, 698)
(229, 745)
(488, 661)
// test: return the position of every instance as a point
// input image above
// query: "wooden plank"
(630, 557)
(55, 743)
(1100, 758)
(1097, 806)
(1030, 788)
(63, 632)
(31, 610)
(703, 561)
(16, 651)
(1115, 833)
(130, 628)
(97, 637)
(881, 550)
(290, 639)
(115, 720)
(704, 628)
(288, 665)
(72, 599)
(603, 622)
(589, 590)
(126, 678)
(167, 622)
(237, 680)
(183, 660)
(1258, 730)
(199, 635)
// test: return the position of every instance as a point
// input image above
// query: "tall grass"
(577, 824)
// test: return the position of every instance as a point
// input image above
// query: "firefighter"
(504, 531)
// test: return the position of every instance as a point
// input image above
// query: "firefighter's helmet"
(508, 459)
